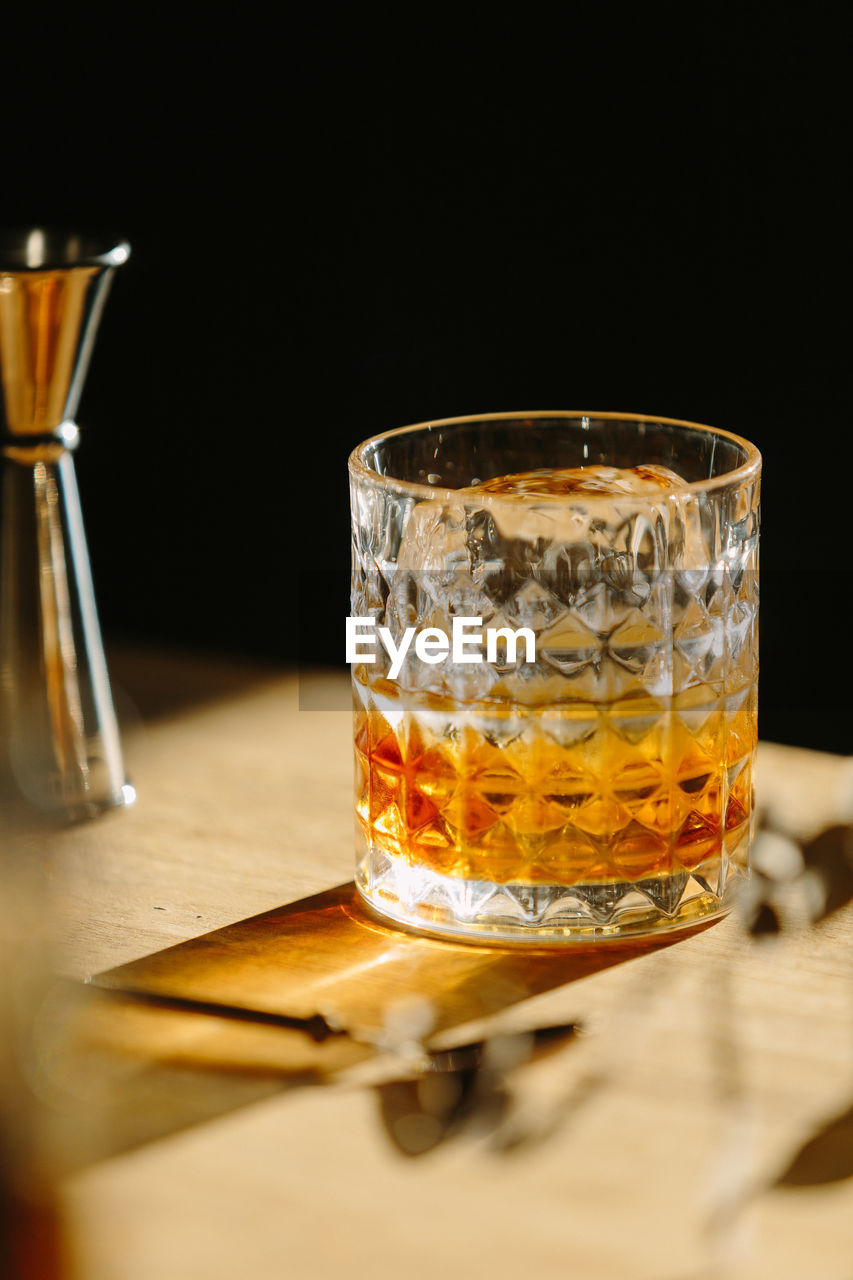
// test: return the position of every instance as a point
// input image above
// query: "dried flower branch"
(463, 1088)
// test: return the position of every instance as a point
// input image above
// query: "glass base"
(545, 914)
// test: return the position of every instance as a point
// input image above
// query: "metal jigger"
(59, 741)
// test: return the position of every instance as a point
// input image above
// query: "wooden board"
(650, 1140)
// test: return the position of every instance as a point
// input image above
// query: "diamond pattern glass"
(604, 789)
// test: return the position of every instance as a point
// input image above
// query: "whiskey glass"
(603, 789)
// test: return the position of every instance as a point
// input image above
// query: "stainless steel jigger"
(59, 741)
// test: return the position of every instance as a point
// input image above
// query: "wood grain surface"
(650, 1143)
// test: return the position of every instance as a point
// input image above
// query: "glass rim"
(95, 249)
(746, 471)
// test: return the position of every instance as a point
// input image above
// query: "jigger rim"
(43, 248)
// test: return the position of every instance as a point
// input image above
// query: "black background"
(365, 218)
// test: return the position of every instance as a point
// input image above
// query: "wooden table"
(703, 1067)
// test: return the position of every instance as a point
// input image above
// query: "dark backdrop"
(359, 222)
